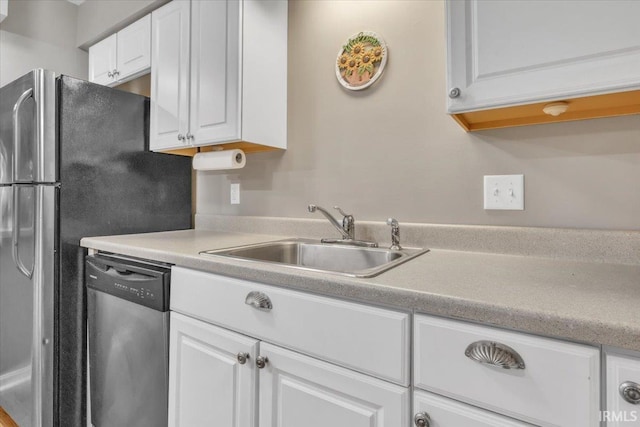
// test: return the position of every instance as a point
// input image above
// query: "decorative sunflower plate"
(361, 61)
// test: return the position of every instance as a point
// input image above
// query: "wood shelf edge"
(590, 107)
(247, 147)
(6, 420)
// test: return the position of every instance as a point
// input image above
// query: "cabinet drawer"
(558, 386)
(367, 339)
(443, 412)
(623, 373)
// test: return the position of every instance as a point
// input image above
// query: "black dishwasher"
(128, 325)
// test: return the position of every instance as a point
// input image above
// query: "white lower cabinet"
(209, 384)
(439, 411)
(297, 390)
(623, 391)
(542, 381)
(226, 376)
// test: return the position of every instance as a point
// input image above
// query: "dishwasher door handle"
(124, 275)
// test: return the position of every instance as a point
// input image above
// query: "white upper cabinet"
(219, 74)
(170, 75)
(215, 71)
(4, 9)
(102, 61)
(134, 49)
(122, 56)
(506, 53)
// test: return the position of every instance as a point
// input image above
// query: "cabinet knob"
(258, 300)
(242, 358)
(189, 135)
(180, 137)
(422, 419)
(454, 93)
(116, 73)
(630, 392)
(109, 74)
(261, 362)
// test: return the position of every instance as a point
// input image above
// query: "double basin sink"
(311, 255)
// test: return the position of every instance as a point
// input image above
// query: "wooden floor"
(5, 419)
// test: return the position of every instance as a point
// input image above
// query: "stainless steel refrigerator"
(74, 162)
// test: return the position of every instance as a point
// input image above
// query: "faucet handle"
(339, 209)
(348, 223)
(395, 234)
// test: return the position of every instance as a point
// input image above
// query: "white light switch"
(504, 192)
(235, 194)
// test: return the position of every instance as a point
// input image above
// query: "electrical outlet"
(235, 194)
(504, 192)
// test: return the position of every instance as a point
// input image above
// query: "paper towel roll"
(219, 160)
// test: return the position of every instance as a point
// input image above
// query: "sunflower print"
(343, 60)
(366, 62)
(358, 49)
(376, 53)
(361, 61)
(353, 64)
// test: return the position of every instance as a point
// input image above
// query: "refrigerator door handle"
(16, 130)
(16, 231)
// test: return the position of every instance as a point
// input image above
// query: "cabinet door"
(623, 375)
(102, 61)
(297, 390)
(514, 52)
(443, 412)
(169, 76)
(134, 49)
(215, 71)
(208, 386)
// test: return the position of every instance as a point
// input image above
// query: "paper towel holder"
(219, 160)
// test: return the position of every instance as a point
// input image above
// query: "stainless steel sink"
(315, 256)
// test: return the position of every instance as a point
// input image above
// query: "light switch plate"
(235, 194)
(504, 192)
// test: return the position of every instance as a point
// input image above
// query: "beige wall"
(40, 34)
(392, 151)
(100, 18)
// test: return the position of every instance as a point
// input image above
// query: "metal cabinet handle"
(261, 362)
(15, 235)
(630, 392)
(242, 358)
(495, 354)
(454, 93)
(16, 130)
(116, 73)
(189, 135)
(422, 419)
(258, 300)
(180, 137)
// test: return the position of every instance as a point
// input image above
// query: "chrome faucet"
(347, 229)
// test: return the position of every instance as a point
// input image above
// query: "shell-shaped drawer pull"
(630, 392)
(495, 354)
(422, 419)
(258, 300)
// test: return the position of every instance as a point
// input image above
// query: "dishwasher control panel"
(139, 282)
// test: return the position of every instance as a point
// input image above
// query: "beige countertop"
(591, 302)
